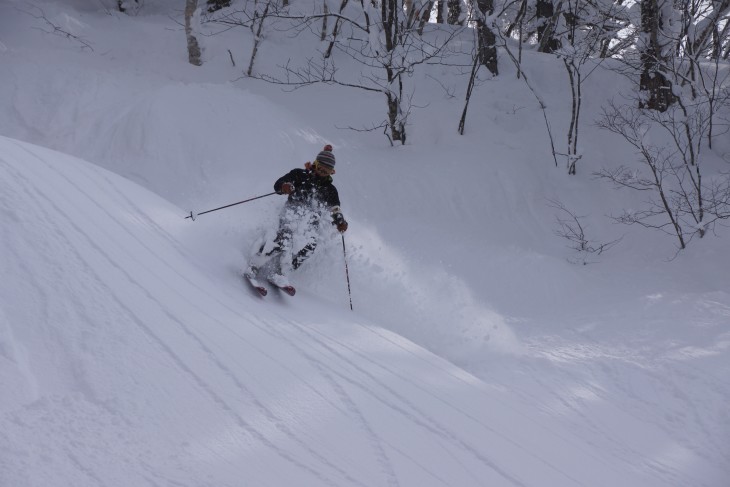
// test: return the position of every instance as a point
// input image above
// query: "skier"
(311, 195)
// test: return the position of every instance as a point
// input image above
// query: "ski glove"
(287, 188)
(339, 221)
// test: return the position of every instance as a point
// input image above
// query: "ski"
(280, 283)
(255, 284)
(288, 289)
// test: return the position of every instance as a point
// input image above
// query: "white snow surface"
(477, 352)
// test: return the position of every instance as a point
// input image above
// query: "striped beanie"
(326, 157)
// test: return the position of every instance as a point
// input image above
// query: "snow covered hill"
(130, 365)
(132, 354)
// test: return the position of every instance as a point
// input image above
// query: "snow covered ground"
(132, 354)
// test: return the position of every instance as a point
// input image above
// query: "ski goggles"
(322, 169)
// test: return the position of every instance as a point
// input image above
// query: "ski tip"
(282, 286)
(255, 285)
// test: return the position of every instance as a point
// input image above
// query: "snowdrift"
(131, 366)
(132, 354)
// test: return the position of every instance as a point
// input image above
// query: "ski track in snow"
(409, 410)
(651, 371)
(354, 411)
(347, 376)
(161, 343)
(121, 108)
(618, 447)
(227, 371)
(394, 401)
(231, 410)
(656, 371)
(414, 414)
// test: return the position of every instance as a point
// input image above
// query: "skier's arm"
(286, 183)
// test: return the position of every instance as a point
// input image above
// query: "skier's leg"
(271, 251)
(309, 239)
(303, 254)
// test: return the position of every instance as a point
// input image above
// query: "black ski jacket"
(309, 189)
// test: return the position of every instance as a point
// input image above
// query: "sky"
(480, 350)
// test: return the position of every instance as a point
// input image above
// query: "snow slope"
(135, 355)
(132, 366)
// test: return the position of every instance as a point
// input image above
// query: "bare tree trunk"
(257, 36)
(335, 30)
(547, 17)
(454, 12)
(323, 34)
(425, 16)
(574, 76)
(653, 79)
(397, 128)
(215, 5)
(487, 52)
(469, 89)
(716, 43)
(194, 56)
(440, 11)
(389, 11)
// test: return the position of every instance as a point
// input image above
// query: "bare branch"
(571, 229)
(51, 28)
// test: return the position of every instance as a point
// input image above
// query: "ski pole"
(192, 216)
(347, 272)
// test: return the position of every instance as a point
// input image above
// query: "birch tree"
(192, 20)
